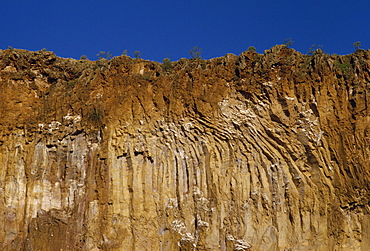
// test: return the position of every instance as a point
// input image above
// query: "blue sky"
(165, 28)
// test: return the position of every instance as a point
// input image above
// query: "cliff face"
(249, 152)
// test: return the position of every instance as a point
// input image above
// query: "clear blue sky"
(165, 28)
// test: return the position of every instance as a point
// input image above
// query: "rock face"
(249, 152)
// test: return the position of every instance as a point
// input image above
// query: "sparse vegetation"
(288, 42)
(251, 49)
(203, 65)
(137, 54)
(124, 53)
(83, 57)
(315, 49)
(103, 54)
(71, 84)
(196, 53)
(96, 116)
(101, 63)
(146, 76)
(357, 45)
(345, 68)
(166, 66)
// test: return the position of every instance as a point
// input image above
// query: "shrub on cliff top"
(315, 49)
(196, 53)
(103, 54)
(251, 49)
(357, 45)
(288, 42)
(137, 54)
(167, 66)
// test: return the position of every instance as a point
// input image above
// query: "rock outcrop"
(249, 152)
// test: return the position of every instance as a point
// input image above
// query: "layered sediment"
(251, 152)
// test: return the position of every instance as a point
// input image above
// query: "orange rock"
(249, 152)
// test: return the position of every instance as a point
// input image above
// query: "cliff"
(248, 152)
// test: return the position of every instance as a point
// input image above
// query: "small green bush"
(251, 49)
(345, 68)
(166, 66)
(146, 76)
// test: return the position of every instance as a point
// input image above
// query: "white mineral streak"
(228, 185)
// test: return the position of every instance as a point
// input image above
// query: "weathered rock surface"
(249, 152)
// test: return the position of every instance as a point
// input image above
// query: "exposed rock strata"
(249, 152)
